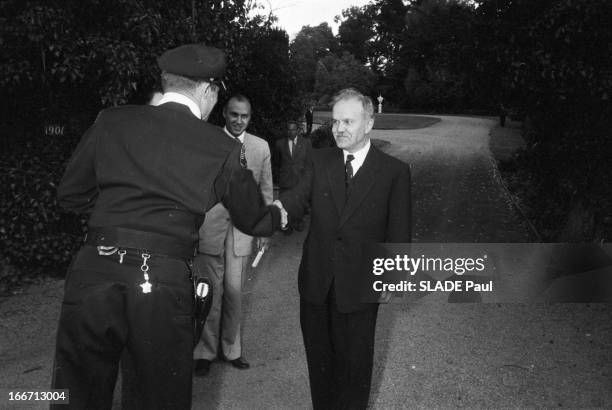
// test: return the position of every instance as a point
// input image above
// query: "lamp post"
(380, 100)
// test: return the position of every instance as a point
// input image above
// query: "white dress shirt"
(239, 137)
(359, 155)
(292, 143)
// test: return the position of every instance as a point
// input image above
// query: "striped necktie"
(243, 160)
(348, 167)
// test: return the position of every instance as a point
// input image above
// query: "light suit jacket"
(217, 222)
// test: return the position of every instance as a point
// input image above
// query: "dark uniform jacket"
(291, 166)
(376, 209)
(159, 169)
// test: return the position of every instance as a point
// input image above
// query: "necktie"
(348, 168)
(243, 160)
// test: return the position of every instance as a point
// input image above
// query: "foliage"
(35, 235)
(356, 32)
(561, 76)
(309, 46)
(335, 73)
(322, 137)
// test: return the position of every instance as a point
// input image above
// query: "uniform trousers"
(339, 351)
(227, 274)
(104, 311)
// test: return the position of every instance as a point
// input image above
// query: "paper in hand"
(258, 257)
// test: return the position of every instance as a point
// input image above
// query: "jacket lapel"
(361, 184)
(249, 152)
(335, 175)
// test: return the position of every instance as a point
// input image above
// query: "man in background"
(224, 250)
(293, 153)
(308, 116)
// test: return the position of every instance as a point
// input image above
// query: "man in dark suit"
(147, 175)
(293, 153)
(309, 117)
(358, 195)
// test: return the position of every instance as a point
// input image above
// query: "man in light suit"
(224, 250)
(358, 195)
(293, 154)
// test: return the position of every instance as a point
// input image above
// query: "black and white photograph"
(305, 204)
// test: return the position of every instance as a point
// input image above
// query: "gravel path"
(429, 354)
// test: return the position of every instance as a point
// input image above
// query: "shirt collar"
(181, 99)
(239, 137)
(359, 154)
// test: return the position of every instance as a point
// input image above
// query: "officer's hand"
(263, 243)
(284, 214)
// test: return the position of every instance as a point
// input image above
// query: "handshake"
(284, 214)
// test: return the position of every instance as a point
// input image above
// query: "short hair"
(292, 122)
(171, 81)
(351, 93)
(240, 98)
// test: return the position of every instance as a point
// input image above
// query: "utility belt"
(147, 242)
(123, 241)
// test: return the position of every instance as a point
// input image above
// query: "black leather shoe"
(240, 363)
(202, 367)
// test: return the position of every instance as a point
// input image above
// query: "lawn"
(388, 121)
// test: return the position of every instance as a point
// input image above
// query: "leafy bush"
(561, 76)
(322, 137)
(35, 235)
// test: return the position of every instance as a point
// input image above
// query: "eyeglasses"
(219, 83)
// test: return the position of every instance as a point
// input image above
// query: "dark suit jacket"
(377, 210)
(309, 117)
(292, 166)
(159, 169)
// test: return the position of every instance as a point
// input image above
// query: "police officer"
(147, 174)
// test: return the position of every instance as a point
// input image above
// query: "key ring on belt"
(146, 286)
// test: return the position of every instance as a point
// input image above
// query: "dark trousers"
(104, 312)
(339, 351)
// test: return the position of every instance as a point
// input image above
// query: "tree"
(268, 80)
(356, 32)
(309, 46)
(433, 59)
(560, 74)
(390, 24)
(335, 73)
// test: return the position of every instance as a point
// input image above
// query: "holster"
(203, 293)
